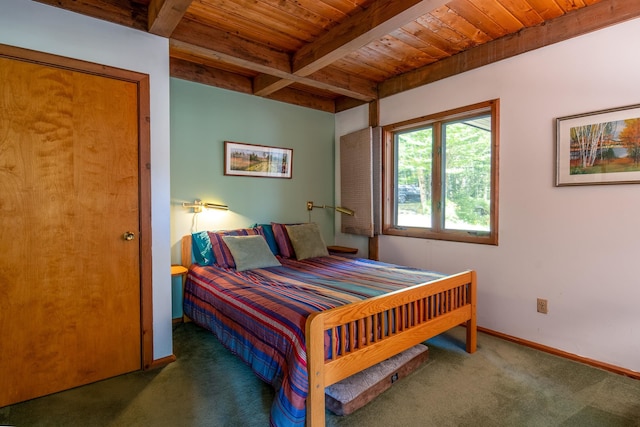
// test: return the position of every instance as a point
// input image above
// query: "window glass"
(413, 195)
(441, 172)
(467, 174)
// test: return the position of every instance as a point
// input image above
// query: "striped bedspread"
(260, 314)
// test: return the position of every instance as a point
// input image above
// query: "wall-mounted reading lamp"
(197, 206)
(340, 209)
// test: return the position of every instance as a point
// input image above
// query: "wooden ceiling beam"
(225, 47)
(165, 15)
(274, 67)
(129, 14)
(304, 99)
(343, 84)
(311, 65)
(210, 76)
(378, 20)
(266, 84)
(576, 23)
(344, 104)
(329, 80)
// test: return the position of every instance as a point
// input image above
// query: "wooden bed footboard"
(370, 331)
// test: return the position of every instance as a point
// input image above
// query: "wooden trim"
(146, 257)
(144, 169)
(66, 63)
(591, 362)
(495, 171)
(162, 362)
(437, 201)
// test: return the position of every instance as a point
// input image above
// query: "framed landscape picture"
(257, 160)
(602, 147)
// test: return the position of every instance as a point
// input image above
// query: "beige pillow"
(250, 252)
(307, 241)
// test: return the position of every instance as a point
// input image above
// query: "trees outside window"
(441, 175)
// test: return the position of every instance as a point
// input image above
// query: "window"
(440, 178)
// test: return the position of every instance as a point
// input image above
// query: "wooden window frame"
(437, 231)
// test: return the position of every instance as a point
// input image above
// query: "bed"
(305, 324)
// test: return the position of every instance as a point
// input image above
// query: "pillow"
(221, 253)
(282, 239)
(307, 241)
(250, 252)
(266, 230)
(201, 248)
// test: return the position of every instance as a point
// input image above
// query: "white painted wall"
(48, 29)
(579, 247)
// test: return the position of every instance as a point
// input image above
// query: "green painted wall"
(202, 118)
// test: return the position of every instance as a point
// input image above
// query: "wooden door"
(70, 294)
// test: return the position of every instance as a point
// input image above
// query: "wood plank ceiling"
(332, 55)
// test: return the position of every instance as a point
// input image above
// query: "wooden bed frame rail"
(370, 331)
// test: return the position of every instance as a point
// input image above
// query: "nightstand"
(179, 270)
(342, 250)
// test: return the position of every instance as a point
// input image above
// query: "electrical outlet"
(542, 306)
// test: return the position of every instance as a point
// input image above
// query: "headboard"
(185, 251)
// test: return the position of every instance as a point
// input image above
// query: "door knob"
(128, 235)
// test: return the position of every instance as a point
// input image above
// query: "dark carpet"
(502, 384)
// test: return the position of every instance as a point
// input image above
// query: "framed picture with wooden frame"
(602, 147)
(257, 160)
